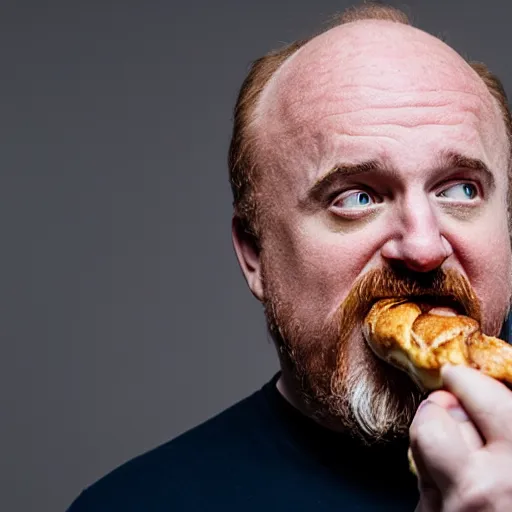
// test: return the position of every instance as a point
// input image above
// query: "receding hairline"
(245, 158)
(268, 88)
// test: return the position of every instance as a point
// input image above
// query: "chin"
(379, 400)
(365, 397)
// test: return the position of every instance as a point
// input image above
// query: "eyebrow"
(337, 174)
(449, 160)
(454, 160)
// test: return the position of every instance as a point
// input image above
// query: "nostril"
(424, 264)
(416, 261)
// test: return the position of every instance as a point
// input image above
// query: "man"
(367, 162)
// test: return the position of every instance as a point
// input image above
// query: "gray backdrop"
(124, 317)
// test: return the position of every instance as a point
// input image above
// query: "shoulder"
(183, 469)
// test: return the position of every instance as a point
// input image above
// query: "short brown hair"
(243, 165)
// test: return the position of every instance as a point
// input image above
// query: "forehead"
(372, 78)
(397, 55)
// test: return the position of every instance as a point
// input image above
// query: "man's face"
(381, 149)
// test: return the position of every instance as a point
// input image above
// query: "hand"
(461, 441)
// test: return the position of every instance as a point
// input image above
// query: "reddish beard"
(336, 376)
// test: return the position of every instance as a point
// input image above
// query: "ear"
(248, 254)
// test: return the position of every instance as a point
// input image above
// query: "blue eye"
(356, 200)
(460, 192)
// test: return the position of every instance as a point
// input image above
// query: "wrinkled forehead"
(369, 65)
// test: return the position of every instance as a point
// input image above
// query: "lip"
(427, 302)
(430, 302)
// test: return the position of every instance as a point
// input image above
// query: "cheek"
(485, 257)
(316, 268)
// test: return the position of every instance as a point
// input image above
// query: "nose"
(416, 241)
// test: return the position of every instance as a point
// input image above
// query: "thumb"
(437, 446)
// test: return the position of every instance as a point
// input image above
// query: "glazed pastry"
(399, 332)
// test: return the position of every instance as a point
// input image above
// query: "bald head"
(371, 52)
(373, 47)
(375, 67)
(375, 146)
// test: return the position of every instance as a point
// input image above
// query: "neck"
(286, 388)
(380, 465)
(288, 392)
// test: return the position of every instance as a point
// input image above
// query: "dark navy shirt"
(259, 455)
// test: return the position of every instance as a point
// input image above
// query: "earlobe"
(248, 254)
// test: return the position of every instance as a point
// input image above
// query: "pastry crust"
(420, 343)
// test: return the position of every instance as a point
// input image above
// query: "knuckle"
(427, 434)
(477, 500)
(498, 416)
(505, 413)
(483, 491)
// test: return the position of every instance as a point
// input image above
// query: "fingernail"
(423, 405)
(458, 414)
(446, 370)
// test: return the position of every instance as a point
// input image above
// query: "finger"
(468, 432)
(444, 399)
(430, 496)
(451, 404)
(430, 500)
(437, 446)
(487, 401)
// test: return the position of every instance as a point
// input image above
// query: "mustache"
(439, 287)
(445, 287)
